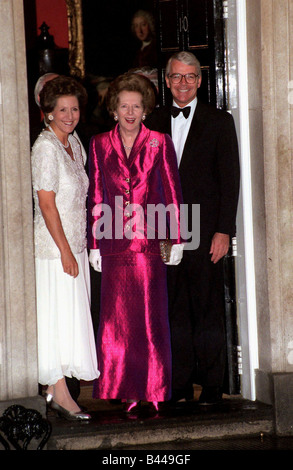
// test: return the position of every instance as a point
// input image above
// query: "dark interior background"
(109, 44)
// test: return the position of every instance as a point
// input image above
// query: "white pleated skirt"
(66, 343)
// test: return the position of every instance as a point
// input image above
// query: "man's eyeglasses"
(177, 77)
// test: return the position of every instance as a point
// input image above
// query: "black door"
(198, 26)
(195, 26)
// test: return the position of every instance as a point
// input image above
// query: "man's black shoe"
(181, 395)
(210, 396)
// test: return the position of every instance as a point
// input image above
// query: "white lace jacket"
(54, 170)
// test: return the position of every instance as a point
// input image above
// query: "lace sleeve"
(45, 174)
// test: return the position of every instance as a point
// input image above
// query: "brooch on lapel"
(154, 143)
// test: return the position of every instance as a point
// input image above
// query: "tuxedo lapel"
(167, 124)
(194, 134)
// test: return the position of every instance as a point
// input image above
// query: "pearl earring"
(50, 117)
(116, 117)
(143, 117)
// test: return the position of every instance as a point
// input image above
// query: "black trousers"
(197, 321)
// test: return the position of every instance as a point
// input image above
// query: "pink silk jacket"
(124, 191)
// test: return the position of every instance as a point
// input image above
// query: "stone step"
(112, 428)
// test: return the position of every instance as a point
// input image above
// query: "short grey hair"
(40, 83)
(186, 58)
(148, 72)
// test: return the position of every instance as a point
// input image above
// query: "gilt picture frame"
(76, 59)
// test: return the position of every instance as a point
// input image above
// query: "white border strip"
(246, 191)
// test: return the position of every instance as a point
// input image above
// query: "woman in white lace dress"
(66, 344)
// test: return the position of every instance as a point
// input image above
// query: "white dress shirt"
(180, 128)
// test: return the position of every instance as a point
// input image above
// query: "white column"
(18, 350)
(276, 325)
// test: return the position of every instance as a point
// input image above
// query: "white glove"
(96, 260)
(176, 254)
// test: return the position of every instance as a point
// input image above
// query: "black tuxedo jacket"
(209, 167)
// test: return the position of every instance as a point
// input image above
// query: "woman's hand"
(95, 259)
(69, 263)
(54, 225)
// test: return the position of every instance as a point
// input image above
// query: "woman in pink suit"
(131, 170)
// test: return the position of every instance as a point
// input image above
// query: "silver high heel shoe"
(48, 398)
(70, 415)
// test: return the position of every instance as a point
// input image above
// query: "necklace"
(130, 137)
(66, 145)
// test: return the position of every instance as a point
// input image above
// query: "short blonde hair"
(131, 82)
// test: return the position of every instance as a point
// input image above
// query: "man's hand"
(219, 246)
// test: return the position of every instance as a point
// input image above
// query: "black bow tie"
(175, 111)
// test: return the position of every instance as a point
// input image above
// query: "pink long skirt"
(133, 341)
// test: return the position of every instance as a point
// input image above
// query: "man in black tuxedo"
(207, 151)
